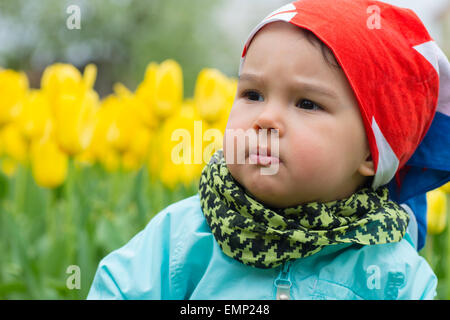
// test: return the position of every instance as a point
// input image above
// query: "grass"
(44, 231)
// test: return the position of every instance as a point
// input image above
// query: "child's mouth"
(265, 158)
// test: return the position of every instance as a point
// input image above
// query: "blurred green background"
(122, 36)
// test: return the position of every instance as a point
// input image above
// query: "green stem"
(429, 250)
(20, 187)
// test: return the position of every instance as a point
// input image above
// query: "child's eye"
(308, 104)
(253, 95)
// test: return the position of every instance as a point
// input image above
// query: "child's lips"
(256, 158)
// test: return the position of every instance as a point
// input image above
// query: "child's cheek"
(314, 159)
(239, 118)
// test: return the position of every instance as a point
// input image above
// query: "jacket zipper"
(283, 283)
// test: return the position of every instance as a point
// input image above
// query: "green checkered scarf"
(263, 237)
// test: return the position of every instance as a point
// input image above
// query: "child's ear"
(366, 167)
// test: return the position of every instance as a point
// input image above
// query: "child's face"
(323, 153)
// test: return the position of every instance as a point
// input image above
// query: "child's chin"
(271, 201)
(265, 192)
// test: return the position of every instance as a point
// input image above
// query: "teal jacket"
(177, 257)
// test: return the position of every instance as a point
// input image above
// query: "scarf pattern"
(265, 237)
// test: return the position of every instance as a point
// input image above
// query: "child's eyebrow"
(250, 77)
(300, 83)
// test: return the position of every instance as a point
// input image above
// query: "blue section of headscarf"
(418, 206)
(427, 169)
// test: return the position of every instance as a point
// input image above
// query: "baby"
(344, 105)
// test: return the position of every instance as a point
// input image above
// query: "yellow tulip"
(13, 89)
(135, 155)
(181, 147)
(146, 90)
(48, 163)
(124, 119)
(35, 116)
(110, 160)
(214, 94)
(117, 129)
(232, 89)
(74, 121)
(84, 159)
(221, 124)
(103, 120)
(144, 112)
(14, 143)
(62, 79)
(169, 88)
(437, 211)
(446, 187)
(213, 140)
(130, 162)
(121, 91)
(9, 166)
(140, 143)
(172, 130)
(121, 134)
(73, 103)
(89, 76)
(162, 88)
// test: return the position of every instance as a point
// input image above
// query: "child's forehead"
(280, 34)
(278, 31)
(294, 60)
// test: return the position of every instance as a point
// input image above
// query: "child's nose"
(271, 117)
